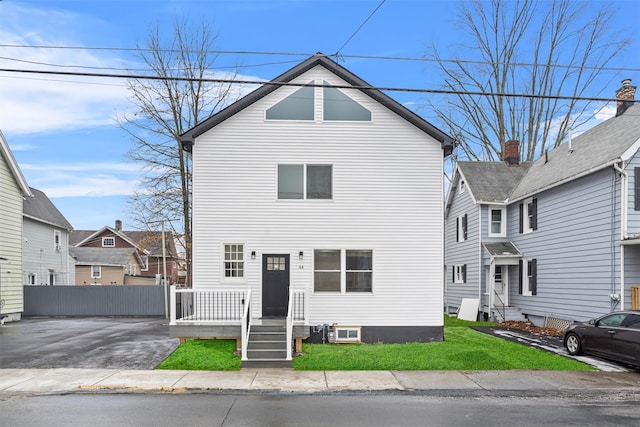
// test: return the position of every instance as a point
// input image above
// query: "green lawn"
(463, 349)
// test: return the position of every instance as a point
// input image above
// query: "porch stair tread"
(267, 345)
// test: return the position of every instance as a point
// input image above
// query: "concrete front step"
(266, 363)
(507, 314)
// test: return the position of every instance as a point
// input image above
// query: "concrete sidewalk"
(65, 380)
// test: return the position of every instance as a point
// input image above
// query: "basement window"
(347, 334)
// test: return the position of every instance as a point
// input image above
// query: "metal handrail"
(246, 325)
(504, 311)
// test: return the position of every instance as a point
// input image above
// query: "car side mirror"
(593, 322)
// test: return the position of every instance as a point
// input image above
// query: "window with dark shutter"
(533, 214)
(636, 174)
(464, 227)
(457, 229)
(533, 276)
(464, 273)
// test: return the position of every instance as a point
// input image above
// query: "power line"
(304, 54)
(337, 54)
(257, 82)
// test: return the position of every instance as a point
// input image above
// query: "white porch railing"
(189, 306)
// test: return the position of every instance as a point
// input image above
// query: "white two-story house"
(321, 198)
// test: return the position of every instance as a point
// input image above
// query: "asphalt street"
(96, 342)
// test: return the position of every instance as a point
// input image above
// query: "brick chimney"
(625, 96)
(118, 225)
(511, 153)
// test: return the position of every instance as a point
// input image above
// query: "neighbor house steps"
(508, 314)
(267, 345)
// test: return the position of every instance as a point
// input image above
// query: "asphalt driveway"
(96, 342)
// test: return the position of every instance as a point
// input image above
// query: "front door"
(275, 285)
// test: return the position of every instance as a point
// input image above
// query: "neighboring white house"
(45, 249)
(317, 186)
(13, 190)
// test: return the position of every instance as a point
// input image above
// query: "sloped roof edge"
(13, 166)
(447, 142)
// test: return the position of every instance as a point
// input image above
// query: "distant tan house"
(13, 190)
(111, 256)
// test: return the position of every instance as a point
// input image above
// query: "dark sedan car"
(615, 336)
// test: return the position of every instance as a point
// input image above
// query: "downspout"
(480, 272)
(619, 167)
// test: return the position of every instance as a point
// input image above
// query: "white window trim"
(240, 279)
(57, 240)
(99, 276)
(357, 329)
(526, 289)
(462, 186)
(109, 238)
(343, 273)
(526, 227)
(145, 263)
(35, 278)
(304, 183)
(461, 233)
(503, 224)
(459, 276)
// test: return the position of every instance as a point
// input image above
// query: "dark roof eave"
(188, 138)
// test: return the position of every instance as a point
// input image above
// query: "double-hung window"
(96, 271)
(636, 174)
(528, 277)
(497, 221)
(461, 228)
(529, 216)
(343, 271)
(233, 261)
(305, 181)
(460, 273)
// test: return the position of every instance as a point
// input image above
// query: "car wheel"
(572, 343)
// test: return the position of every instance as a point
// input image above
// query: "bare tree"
(163, 110)
(542, 48)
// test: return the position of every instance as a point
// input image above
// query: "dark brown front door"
(275, 285)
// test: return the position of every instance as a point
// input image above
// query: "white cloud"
(83, 180)
(33, 103)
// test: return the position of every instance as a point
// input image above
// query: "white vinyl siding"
(41, 255)
(387, 197)
(10, 240)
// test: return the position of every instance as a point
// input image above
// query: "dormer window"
(108, 242)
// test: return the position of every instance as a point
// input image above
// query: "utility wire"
(275, 83)
(337, 54)
(303, 54)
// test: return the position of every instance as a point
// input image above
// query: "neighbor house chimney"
(118, 225)
(511, 153)
(625, 96)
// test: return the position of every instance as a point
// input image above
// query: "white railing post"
(246, 322)
(172, 305)
(289, 325)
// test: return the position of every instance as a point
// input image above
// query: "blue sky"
(61, 129)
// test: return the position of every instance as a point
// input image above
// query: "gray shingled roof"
(39, 207)
(499, 249)
(591, 150)
(492, 182)
(101, 256)
(188, 138)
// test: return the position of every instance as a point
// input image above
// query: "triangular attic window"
(338, 106)
(297, 106)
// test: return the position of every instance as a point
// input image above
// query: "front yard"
(463, 349)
